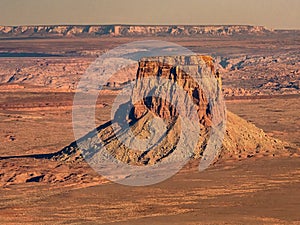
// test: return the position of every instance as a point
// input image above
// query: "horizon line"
(137, 24)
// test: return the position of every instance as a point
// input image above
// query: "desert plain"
(38, 78)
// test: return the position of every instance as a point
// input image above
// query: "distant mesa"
(129, 30)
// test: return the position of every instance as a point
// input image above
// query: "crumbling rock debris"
(241, 138)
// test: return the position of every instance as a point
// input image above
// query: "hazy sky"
(270, 13)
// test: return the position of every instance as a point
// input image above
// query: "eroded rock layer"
(197, 77)
(130, 30)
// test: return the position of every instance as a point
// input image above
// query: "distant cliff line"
(131, 30)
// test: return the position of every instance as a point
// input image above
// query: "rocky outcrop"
(164, 68)
(130, 30)
(181, 71)
(261, 75)
(242, 139)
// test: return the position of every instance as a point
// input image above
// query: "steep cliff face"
(179, 70)
(155, 97)
(129, 30)
(241, 139)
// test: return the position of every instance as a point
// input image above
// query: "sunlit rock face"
(155, 121)
(128, 30)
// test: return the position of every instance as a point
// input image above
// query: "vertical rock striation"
(133, 122)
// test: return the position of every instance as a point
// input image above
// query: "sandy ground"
(264, 191)
(39, 121)
(278, 116)
(252, 191)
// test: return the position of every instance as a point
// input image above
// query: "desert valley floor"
(249, 191)
(36, 119)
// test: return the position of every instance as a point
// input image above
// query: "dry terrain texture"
(38, 76)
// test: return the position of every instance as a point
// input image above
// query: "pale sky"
(284, 14)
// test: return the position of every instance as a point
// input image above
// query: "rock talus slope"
(241, 138)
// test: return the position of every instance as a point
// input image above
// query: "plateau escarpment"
(130, 30)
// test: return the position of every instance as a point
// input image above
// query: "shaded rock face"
(158, 141)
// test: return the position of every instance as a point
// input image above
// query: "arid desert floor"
(36, 119)
(250, 191)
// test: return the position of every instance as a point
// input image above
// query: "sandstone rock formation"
(242, 139)
(261, 75)
(130, 30)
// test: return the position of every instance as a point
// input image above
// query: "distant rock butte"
(131, 30)
(242, 139)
